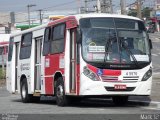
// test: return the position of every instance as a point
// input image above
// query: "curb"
(147, 103)
(156, 75)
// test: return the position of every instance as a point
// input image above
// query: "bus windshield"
(114, 41)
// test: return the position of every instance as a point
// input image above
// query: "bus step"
(37, 93)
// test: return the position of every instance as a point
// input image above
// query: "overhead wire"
(46, 8)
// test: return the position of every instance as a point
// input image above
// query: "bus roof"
(29, 30)
(93, 15)
(77, 17)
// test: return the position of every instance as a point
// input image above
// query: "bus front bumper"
(89, 87)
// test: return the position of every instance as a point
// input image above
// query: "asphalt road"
(12, 104)
(155, 51)
(155, 95)
(11, 108)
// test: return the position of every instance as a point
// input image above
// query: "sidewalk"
(2, 82)
(155, 94)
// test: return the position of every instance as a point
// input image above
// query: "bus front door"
(16, 64)
(73, 63)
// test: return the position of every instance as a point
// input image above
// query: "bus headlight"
(147, 75)
(90, 74)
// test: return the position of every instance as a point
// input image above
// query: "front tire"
(61, 98)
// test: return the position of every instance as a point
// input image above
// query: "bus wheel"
(61, 98)
(24, 91)
(120, 100)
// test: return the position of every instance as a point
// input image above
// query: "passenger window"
(10, 49)
(47, 38)
(57, 43)
(26, 43)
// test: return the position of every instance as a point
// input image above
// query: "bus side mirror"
(78, 36)
(150, 44)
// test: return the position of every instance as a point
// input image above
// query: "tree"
(132, 12)
(145, 12)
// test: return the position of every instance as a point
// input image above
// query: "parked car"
(150, 28)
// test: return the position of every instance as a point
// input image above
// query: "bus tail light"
(90, 74)
(147, 75)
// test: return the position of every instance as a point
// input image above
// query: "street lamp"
(28, 6)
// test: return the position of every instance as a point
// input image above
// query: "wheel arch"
(56, 76)
(22, 78)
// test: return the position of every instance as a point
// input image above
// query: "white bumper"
(89, 87)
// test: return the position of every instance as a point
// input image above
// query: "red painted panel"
(112, 72)
(70, 18)
(105, 71)
(71, 24)
(92, 68)
(78, 79)
(4, 43)
(50, 70)
(49, 85)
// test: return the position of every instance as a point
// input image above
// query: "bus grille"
(115, 78)
(109, 78)
(130, 78)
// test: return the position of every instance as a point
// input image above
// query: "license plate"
(120, 87)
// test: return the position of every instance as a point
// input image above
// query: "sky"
(21, 5)
(50, 5)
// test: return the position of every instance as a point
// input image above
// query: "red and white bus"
(85, 55)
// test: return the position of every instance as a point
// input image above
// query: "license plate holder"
(120, 87)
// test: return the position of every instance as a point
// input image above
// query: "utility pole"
(40, 16)
(86, 7)
(98, 6)
(106, 6)
(111, 5)
(12, 16)
(139, 13)
(28, 6)
(123, 7)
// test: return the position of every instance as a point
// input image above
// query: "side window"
(10, 49)
(26, 42)
(57, 43)
(47, 38)
(1, 50)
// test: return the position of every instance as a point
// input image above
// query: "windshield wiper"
(108, 44)
(130, 53)
(106, 49)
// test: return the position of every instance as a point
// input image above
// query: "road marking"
(102, 109)
(156, 73)
(157, 38)
(151, 108)
(151, 102)
(154, 105)
(155, 55)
